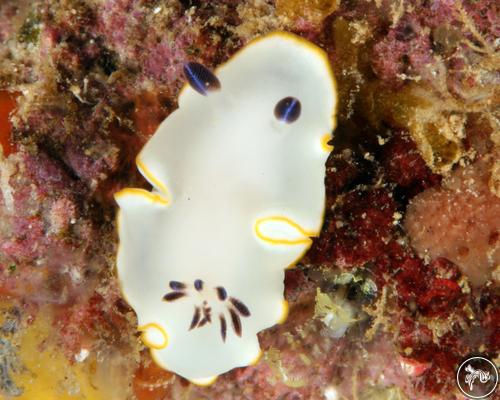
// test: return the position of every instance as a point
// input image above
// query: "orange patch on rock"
(150, 381)
(7, 105)
(149, 112)
(312, 10)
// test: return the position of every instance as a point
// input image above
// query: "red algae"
(404, 165)
(363, 226)
(419, 287)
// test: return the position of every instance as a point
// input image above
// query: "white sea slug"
(238, 190)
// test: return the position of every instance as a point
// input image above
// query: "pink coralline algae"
(403, 53)
(45, 236)
(97, 317)
(8, 10)
(485, 15)
(459, 222)
(130, 31)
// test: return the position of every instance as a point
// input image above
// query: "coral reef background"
(403, 282)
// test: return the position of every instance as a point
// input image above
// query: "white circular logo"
(477, 377)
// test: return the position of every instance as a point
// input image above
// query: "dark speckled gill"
(221, 293)
(198, 285)
(175, 285)
(223, 327)
(173, 296)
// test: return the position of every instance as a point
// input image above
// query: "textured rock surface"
(411, 206)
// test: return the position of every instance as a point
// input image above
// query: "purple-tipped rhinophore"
(288, 110)
(200, 78)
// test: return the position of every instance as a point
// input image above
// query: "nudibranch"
(237, 175)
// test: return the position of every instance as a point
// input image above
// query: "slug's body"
(237, 194)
